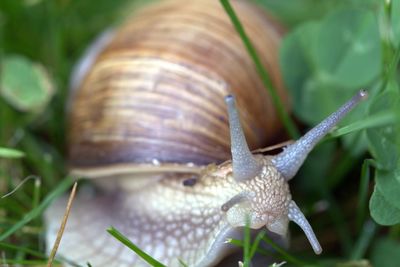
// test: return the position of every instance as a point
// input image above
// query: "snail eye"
(190, 181)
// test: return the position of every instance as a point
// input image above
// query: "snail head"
(265, 198)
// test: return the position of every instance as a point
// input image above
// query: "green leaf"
(382, 211)
(395, 17)
(295, 11)
(388, 183)
(324, 63)
(10, 153)
(348, 53)
(384, 145)
(25, 85)
(384, 142)
(295, 59)
(385, 253)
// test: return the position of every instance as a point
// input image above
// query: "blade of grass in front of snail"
(124, 240)
(246, 244)
(62, 226)
(34, 213)
(256, 242)
(182, 263)
(285, 256)
(282, 113)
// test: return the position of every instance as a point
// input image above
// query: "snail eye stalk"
(244, 165)
(290, 160)
(298, 217)
(241, 197)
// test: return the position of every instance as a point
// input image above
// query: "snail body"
(149, 124)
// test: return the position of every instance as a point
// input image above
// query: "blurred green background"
(349, 188)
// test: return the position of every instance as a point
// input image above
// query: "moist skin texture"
(171, 221)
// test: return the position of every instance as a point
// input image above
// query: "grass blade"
(364, 240)
(120, 237)
(182, 263)
(376, 120)
(62, 227)
(11, 153)
(286, 256)
(255, 248)
(283, 115)
(30, 177)
(246, 244)
(239, 243)
(5, 262)
(256, 242)
(22, 249)
(362, 206)
(61, 188)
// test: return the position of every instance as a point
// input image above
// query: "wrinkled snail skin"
(152, 121)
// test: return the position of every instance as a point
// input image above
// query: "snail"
(149, 124)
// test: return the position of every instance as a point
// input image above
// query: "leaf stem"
(363, 192)
(366, 235)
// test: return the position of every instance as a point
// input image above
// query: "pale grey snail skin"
(199, 216)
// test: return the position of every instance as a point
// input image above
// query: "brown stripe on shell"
(157, 91)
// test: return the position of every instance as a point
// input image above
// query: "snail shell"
(149, 116)
(156, 92)
(152, 105)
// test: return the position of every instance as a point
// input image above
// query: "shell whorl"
(157, 90)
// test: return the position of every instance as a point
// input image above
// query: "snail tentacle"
(298, 217)
(290, 160)
(245, 166)
(241, 197)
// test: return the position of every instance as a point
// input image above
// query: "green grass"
(250, 248)
(120, 237)
(283, 115)
(38, 211)
(10, 153)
